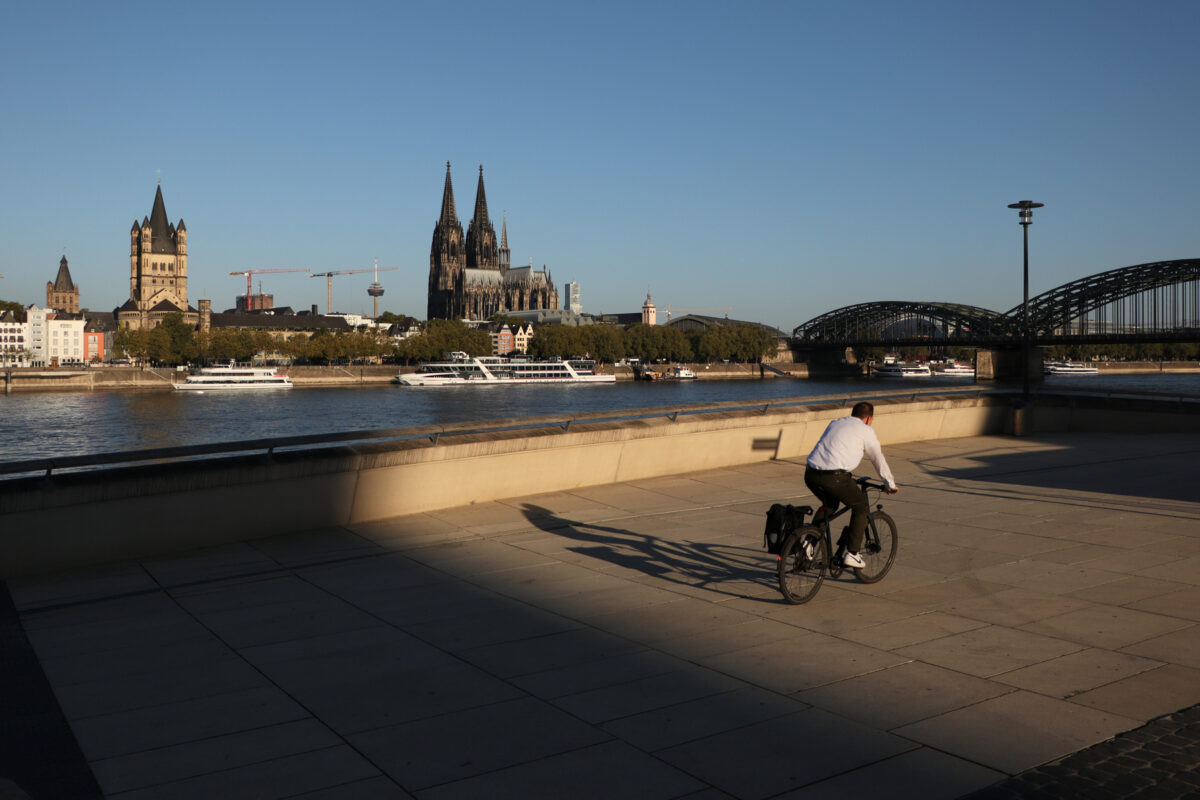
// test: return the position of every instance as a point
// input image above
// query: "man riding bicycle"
(839, 451)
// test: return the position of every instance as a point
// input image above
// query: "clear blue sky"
(780, 159)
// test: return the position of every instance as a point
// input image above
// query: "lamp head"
(1025, 210)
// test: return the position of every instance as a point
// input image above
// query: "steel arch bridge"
(1155, 302)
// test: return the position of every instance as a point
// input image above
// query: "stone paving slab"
(629, 640)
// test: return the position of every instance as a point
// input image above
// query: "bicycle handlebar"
(867, 483)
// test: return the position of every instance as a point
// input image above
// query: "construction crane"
(250, 273)
(329, 284)
(671, 311)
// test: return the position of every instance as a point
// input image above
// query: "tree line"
(176, 342)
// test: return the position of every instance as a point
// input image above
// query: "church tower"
(446, 260)
(649, 312)
(158, 273)
(63, 294)
(481, 236)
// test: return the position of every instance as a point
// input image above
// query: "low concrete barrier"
(72, 519)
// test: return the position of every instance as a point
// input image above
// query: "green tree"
(158, 346)
(132, 344)
(606, 344)
(181, 343)
(17, 309)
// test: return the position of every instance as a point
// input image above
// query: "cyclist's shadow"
(716, 567)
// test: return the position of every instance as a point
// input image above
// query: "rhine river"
(40, 424)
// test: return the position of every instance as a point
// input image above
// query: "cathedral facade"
(158, 271)
(471, 277)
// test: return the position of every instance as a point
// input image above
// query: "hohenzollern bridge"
(1156, 302)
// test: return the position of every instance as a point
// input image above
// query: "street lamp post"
(1025, 213)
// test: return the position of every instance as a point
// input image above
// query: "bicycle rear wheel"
(800, 574)
(879, 548)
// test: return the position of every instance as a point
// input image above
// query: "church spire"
(162, 232)
(449, 215)
(158, 216)
(505, 253)
(63, 282)
(481, 212)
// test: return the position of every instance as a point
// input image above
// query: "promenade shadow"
(1103, 464)
(719, 568)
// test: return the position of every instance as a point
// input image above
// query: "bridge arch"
(900, 321)
(1143, 299)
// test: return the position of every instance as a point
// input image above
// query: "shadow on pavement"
(710, 566)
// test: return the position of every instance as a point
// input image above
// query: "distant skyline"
(781, 159)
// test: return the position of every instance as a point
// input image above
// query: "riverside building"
(14, 337)
(54, 338)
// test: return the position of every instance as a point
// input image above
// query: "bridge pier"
(825, 362)
(1004, 364)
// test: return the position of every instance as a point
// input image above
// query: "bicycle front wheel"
(879, 548)
(802, 563)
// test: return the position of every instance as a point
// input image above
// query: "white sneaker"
(853, 560)
(809, 548)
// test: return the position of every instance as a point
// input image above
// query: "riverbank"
(1145, 367)
(160, 379)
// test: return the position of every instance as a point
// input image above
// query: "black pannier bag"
(782, 520)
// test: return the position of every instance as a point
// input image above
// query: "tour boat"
(1068, 368)
(955, 370)
(460, 369)
(232, 376)
(897, 369)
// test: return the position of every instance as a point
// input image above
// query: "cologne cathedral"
(470, 277)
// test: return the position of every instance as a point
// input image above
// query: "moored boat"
(233, 376)
(460, 369)
(899, 369)
(955, 369)
(676, 373)
(1068, 368)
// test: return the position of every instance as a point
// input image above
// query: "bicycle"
(804, 556)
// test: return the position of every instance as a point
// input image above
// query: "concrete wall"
(83, 518)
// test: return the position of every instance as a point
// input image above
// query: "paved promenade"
(629, 641)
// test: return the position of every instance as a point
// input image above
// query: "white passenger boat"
(955, 370)
(899, 369)
(460, 369)
(1068, 368)
(233, 376)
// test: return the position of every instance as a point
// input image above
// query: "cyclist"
(839, 451)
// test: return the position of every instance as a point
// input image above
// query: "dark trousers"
(836, 487)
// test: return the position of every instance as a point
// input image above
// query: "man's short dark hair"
(863, 410)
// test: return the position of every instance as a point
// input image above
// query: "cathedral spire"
(505, 253)
(481, 212)
(449, 215)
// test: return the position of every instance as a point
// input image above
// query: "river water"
(40, 425)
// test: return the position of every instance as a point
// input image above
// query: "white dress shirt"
(843, 445)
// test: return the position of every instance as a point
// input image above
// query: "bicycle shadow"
(713, 567)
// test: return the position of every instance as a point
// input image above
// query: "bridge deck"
(628, 640)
